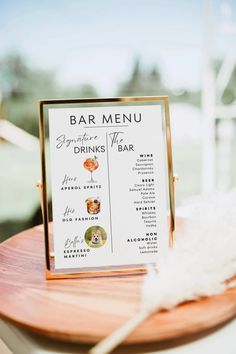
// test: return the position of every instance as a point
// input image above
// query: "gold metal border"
(43, 185)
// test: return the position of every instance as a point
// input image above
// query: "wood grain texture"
(88, 309)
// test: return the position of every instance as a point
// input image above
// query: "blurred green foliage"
(22, 87)
(149, 83)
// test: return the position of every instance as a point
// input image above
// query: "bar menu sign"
(108, 185)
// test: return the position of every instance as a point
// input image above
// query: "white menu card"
(108, 185)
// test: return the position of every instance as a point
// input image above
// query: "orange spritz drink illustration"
(91, 164)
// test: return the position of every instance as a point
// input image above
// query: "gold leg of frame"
(39, 185)
(172, 232)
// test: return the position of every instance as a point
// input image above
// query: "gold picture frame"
(43, 185)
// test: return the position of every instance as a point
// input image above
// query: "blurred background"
(75, 48)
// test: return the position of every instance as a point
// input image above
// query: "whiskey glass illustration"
(93, 205)
(91, 164)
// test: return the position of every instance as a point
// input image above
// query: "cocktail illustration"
(93, 205)
(91, 164)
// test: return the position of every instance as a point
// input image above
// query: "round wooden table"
(85, 310)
